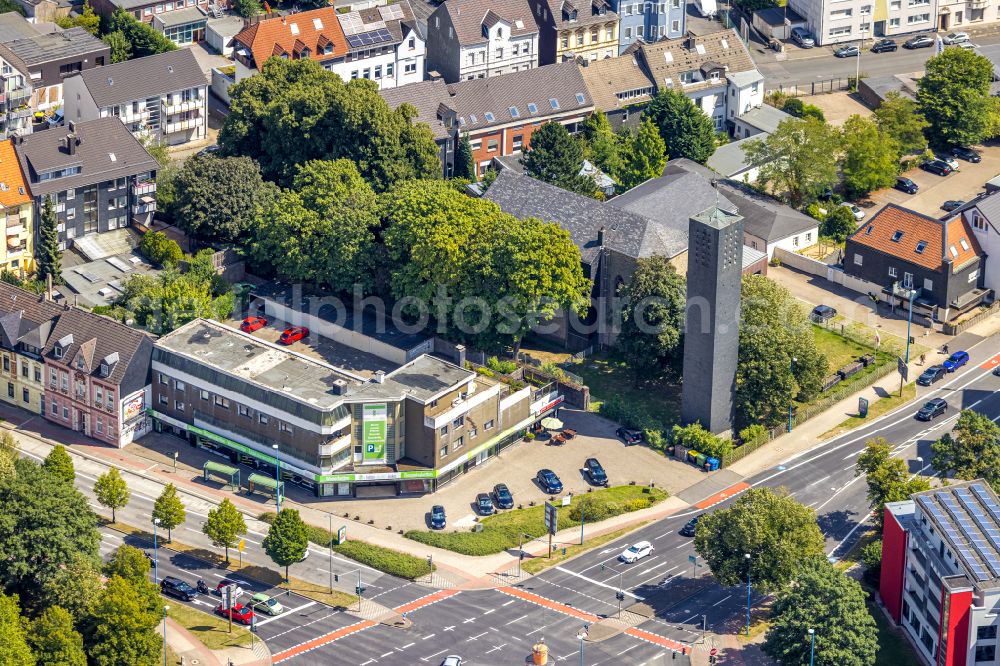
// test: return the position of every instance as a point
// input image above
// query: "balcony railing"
(185, 105)
(144, 187)
(141, 208)
(183, 125)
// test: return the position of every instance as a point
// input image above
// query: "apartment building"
(98, 175)
(835, 21)
(648, 22)
(982, 215)
(477, 39)
(26, 322)
(17, 254)
(940, 577)
(180, 21)
(163, 97)
(15, 108)
(586, 29)
(430, 98)
(385, 429)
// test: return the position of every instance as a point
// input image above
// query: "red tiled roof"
(289, 34)
(898, 232)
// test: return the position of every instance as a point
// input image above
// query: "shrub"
(504, 367)
(159, 249)
(654, 438)
(753, 433)
(816, 212)
(695, 437)
(871, 554)
(637, 504)
(485, 372)
(529, 436)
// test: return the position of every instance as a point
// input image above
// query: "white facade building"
(383, 45)
(837, 21)
(983, 216)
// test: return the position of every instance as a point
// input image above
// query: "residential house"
(572, 29)
(937, 263)
(620, 87)
(161, 97)
(98, 175)
(48, 59)
(940, 572)
(384, 44)
(381, 429)
(982, 215)
(834, 21)
(476, 39)
(17, 254)
(431, 98)
(180, 21)
(759, 120)
(314, 34)
(15, 110)
(730, 161)
(26, 321)
(647, 22)
(98, 377)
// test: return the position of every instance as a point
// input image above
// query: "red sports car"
(293, 334)
(239, 612)
(251, 324)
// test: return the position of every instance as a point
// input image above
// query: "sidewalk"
(192, 651)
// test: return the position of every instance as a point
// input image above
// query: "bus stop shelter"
(231, 474)
(265, 484)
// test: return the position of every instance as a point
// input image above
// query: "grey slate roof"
(627, 232)
(427, 97)
(468, 17)
(99, 140)
(765, 117)
(138, 79)
(730, 159)
(25, 317)
(55, 46)
(14, 26)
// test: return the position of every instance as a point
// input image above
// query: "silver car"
(955, 38)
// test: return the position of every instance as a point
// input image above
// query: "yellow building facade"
(18, 251)
(585, 29)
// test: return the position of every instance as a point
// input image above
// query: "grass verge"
(876, 409)
(537, 564)
(210, 629)
(503, 531)
(893, 648)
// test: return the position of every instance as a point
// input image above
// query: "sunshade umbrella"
(552, 423)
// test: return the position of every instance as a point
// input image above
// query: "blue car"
(549, 482)
(437, 517)
(956, 361)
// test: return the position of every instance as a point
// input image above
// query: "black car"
(629, 436)
(934, 407)
(918, 42)
(939, 167)
(847, 52)
(549, 482)
(823, 313)
(967, 154)
(437, 517)
(502, 497)
(175, 587)
(883, 45)
(484, 505)
(906, 185)
(952, 204)
(996, 371)
(689, 529)
(595, 472)
(931, 375)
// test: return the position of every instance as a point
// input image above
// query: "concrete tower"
(711, 333)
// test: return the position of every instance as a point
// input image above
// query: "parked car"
(229, 581)
(175, 587)
(437, 517)
(238, 612)
(966, 45)
(208, 150)
(931, 375)
(636, 552)
(823, 313)
(629, 436)
(502, 497)
(967, 154)
(802, 37)
(936, 167)
(262, 603)
(595, 472)
(452, 660)
(857, 212)
(484, 505)
(549, 482)
(996, 371)
(933, 408)
(955, 38)
(293, 334)
(918, 42)
(952, 204)
(851, 51)
(883, 45)
(949, 160)
(56, 119)
(906, 185)
(689, 529)
(956, 361)
(251, 324)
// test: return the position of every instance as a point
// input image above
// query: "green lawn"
(503, 531)
(893, 648)
(209, 628)
(875, 410)
(609, 378)
(839, 350)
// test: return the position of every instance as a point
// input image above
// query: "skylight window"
(964, 244)
(514, 113)
(954, 252)
(294, 27)
(580, 99)
(898, 236)
(554, 103)
(668, 56)
(473, 118)
(725, 44)
(489, 116)
(532, 108)
(868, 231)
(112, 156)
(700, 48)
(461, 120)
(318, 24)
(921, 246)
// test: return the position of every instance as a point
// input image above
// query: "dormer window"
(79, 362)
(105, 370)
(57, 350)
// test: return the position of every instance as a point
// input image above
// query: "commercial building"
(940, 578)
(406, 422)
(834, 21)
(180, 21)
(17, 254)
(160, 97)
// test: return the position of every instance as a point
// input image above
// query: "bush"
(159, 249)
(655, 439)
(753, 433)
(504, 367)
(816, 212)
(871, 554)
(695, 437)
(485, 372)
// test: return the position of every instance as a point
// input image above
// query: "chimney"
(692, 42)
(71, 125)
(379, 377)
(600, 237)
(71, 143)
(339, 387)
(460, 355)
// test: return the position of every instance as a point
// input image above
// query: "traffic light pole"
(360, 590)
(620, 594)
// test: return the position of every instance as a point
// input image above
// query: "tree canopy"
(971, 451)
(899, 118)
(601, 144)
(644, 157)
(799, 159)
(888, 478)
(651, 337)
(224, 525)
(14, 648)
(686, 130)
(838, 224)
(122, 628)
(465, 165)
(143, 39)
(48, 254)
(169, 509)
(60, 465)
(295, 111)
(54, 639)
(287, 539)
(555, 157)
(871, 157)
(111, 491)
(769, 525)
(954, 97)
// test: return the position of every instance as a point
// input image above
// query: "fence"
(955, 329)
(815, 87)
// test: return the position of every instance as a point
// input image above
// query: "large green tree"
(830, 603)
(871, 157)
(601, 143)
(838, 224)
(132, 565)
(142, 37)
(769, 525)
(74, 586)
(888, 478)
(224, 525)
(954, 97)
(686, 130)
(465, 165)
(86, 19)
(899, 117)
(287, 539)
(169, 509)
(121, 48)
(644, 157)
(218, 198)
(651, 337)
(248, 8)
(774, 330)
(60, 465)
(322, 230)
(47, 253)
(112, 491)
(122, 627)
(14, 648)
(295, 111)
(54, 639)
(971, 451)
(799, 159)
(555, 157)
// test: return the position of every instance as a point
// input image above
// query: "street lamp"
(747, 557)
(790, 397)
(920, 461)
(857, 74)
(582, 635)
(812, 645)
(165, 608)
(277, 478)
(156, 579)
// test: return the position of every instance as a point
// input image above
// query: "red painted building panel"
(954, 632)
(890, 589)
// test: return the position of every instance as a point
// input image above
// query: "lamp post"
(156, 557)
(790, 397)
(277, 478)
(920, 461)
(176, 453)
(165, 608)
(909, 323)
(857, 74)
(812, 645)
(582, 635)
(747, 557)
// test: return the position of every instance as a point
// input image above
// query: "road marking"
(655, 639)
(597, 582)
(662, 573)
(496, 648)
(661, 564)
(473, 638)
(516, 619)
(492, 610)
(663, 535)
(405, 646)
(548, 603)
(431, 656)
(428, 636)
(287, 612)
(541, 628)
(626, 650)
(468, 620)
(320, 641)
(387, 654)
(508, 603)
(721, 600)
(426, 600)
(722, 496)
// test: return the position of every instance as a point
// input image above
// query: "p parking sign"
(373, 432)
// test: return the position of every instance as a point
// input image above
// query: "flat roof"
(180, 17)
(100, 282)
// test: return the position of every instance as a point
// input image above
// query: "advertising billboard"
(373, 432)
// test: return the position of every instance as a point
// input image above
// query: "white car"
(955, 38)
(857, 212)
(636, 552)
(452, 660)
